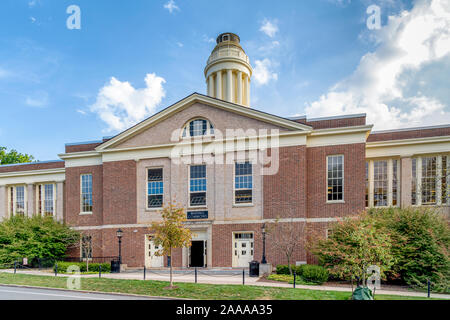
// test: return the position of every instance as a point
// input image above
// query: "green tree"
(13, 157)
(354, 244)
(170, 233)
(35, 237)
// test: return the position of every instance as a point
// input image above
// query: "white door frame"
(236, 247)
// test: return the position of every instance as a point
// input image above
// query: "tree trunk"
(171, 284)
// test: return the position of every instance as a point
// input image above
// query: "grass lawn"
(290, 279)
(187, 290)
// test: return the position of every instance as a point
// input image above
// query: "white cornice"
(402, 142)
(31, 172)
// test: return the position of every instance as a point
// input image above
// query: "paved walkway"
(222, 277)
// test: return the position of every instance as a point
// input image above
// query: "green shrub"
(93, 267)
(34, 237)
(284, 269)
(313, 273)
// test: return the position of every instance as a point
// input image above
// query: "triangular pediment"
(156, 130)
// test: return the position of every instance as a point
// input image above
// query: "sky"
(61, 82)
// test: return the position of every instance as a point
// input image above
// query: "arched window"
(198, 127)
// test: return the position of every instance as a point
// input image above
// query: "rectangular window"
(444, 183)
(243, 183)
(414, 181)
(86, 193)
(197, 186)
(46, 199)
(428, 180)
(335, 171)
(380, 183)
(155, 188)
(17, 200)
(394, 182)
(367, 184)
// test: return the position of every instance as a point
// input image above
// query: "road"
(21, 293)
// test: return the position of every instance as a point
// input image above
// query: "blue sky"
(133, 58)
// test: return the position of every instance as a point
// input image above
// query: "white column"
(230, 85)
(219, 85)
(239, 87)
(3, 202)
(248, 91)
(211, 85)
(59, 214)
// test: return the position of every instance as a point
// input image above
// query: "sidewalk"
(220, 277)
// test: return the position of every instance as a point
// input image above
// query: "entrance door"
(151, 259)
(197, 254)
(243, 249)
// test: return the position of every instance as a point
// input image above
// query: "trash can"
(115, 266)
(254, 268)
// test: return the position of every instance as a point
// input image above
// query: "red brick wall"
(73, 197)
(119, 192)
(32, 166)
(285, 192)
(82, 147)
(409, 134)
(354, 181)
(334, 123)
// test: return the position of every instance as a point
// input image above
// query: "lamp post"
(263, 229)
(119, 234)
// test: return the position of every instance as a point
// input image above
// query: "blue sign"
(194, 215)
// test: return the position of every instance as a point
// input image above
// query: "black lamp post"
(119, 234)
(263, 228)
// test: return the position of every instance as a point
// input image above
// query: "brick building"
(233, 168)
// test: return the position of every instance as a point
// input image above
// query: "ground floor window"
(17, 199)
(382, 183)
(45, 197)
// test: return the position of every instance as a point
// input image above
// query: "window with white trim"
(198, 127)
(46, 199)
(17, 200)
(197, 185)
(86, 193)
(380, 183)
(243, 183)
(335, 174)
(155, 188)
(367, 184)
(395, 190)
(430, 175)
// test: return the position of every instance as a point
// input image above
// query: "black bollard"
(243, 276)
(144, 272)
(99, 270)
(429, 288)
(56, 269)
(294, 278)
(15, 267)
(195, 274)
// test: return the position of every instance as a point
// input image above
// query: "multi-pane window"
(335, 171)
(17, 200)
(86, 193)
(46, 199)
(395, 182)
(198, 127)
(155, 188)
(380, 183)
(367, 184)
(243, 182)
(429, 180)
(197, 185)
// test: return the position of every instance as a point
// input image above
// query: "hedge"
(93, 267)
(308, 272)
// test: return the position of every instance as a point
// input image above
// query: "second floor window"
(380, 183)
(86, 193)
(198, 127)
(46, 199)
(335, 178)
(197, 186)
(155, 188)
(243, 183)
(17, 200)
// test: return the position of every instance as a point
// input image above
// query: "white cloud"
(410, 41)
(262, 73)
(37, 99)
(121, 106)
(270, 28)
(208, 39)
(171, 6)
(179, 44)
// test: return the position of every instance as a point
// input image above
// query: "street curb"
(94, 292)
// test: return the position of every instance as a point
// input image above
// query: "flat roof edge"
(28, 163)
(411, 129)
